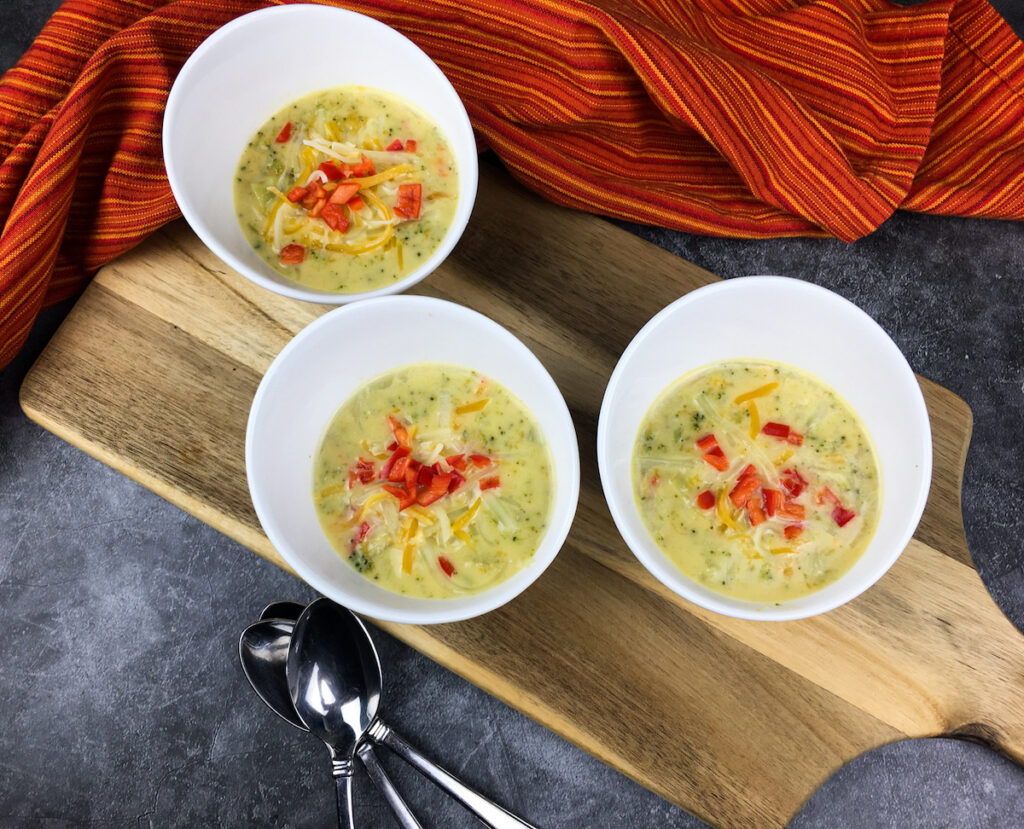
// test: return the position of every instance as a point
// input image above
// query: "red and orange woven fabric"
(753, 118)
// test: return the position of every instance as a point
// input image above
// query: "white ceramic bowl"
(788, 321)
(320, 368)
(239, 77)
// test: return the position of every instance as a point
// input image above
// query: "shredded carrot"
(475, 406)
(760, 391)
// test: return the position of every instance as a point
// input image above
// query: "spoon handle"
(342, 773)
(487, 810)
(387, 788)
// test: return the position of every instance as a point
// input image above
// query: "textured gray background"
(121, 699)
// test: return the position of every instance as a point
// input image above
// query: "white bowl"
(320, 368)
(788, 321)
(239, 77)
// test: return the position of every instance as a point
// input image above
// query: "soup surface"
(346, 190)
(434, 481)
(757, 480)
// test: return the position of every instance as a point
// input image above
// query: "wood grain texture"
(738, 722)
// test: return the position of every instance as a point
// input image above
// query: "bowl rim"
(565, 494)
(468, 166)
(655, 562)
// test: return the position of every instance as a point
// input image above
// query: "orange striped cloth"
(753, 118)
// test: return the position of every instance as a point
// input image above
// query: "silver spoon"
(331, 652)
(263, 651)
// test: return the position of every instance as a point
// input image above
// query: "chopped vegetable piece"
(410, 146)
(318, 208)
(364, 530)
(284, 134)
(398, 430)
(343, 192)
(292, 254)
(425, 476)
(772, 501)
(490, 483)
(404, 499)
(843, 516)
(716, 458)
(792, 530)
(826, 494)
(456, 482)
(755, 512)
(296, 194)
(706, 500)
(707, 443)
(409, 200)
(775, 430)
(795, 438)
(457, 462)
(334, 216)
(791, 510)
(400, 451)
(331, 170)
(356, 203)
(793, 482)
(363, 168)
(438, 489)
(447, 566)
(397, 473)
(480, 461)
(744, 488)
(393, 146)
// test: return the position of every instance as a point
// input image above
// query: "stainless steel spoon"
(332, 654)
(263, 651)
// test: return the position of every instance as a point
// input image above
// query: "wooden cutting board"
(738, 722)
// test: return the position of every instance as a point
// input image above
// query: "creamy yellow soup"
(434, 481)
(346, 190)
(756, 480)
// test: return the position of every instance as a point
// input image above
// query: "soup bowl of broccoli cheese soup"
(764, 448)
(412, 460)
(325, 174)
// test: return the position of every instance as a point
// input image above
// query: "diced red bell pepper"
(707, 443)
(438, 489)
(363, 470)
(745, 487)
(490, 483)
(412, 474)
(394, 146)
(317, 208)
(480, 461)
(292, 254)
(397, 473)
(363, 168)
(826, 494)
(296, 194)
(843, 516)
(791, 531)
(775, 430)
(426, 474)
(748, 470)
(356, 203)
(755, 512)
(716, 457)
(364, 530)
(343, 192)
(331, 170)
(403, 496)
(795, 438)
(410, 197)
(410, 145)
(334, 216)
(793, 482)
(456, 482)
(447, 566)
(284, 134)
(400, 451)
(772, 501)
(398, 430)
(706, 500)
(316, 191)
(457, 462)
(791, 510)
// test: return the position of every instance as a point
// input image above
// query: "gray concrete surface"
(121, 697)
